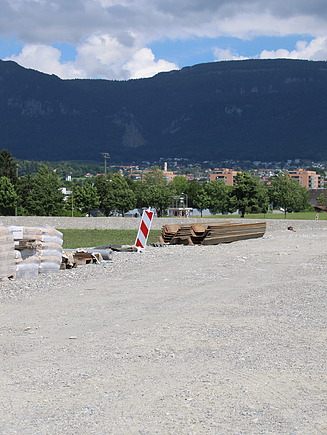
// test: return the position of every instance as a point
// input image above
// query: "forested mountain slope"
(250, 109)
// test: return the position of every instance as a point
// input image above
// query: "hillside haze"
(246, 110)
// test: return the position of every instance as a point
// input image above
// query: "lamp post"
(16, 208)
(106, 157)
(72, 201)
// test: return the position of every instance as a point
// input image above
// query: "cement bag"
(7, 253)
(51, 235)
(49, 264)
(27, 267)
(50, 254)
(32, 233)
(49, 248)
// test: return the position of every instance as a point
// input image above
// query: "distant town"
(309, 174)
(173, 187)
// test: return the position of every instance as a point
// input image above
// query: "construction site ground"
(222, 339)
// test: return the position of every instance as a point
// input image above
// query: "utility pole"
(106, 157)
(72, 201)
(16, 208)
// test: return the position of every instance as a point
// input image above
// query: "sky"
(129, 39)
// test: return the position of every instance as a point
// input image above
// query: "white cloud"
(123, 58)
(100, 56)
(103, 56)
(46, 59)
(143, 64)
(314, 50)
(226, 54)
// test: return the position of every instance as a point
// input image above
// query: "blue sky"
(123, 39)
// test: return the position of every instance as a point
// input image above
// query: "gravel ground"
(226, 339)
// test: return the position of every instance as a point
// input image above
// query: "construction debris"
(105, 254)
(211, 234)
(81, 256)
(117, 248)
(67, 261)
(74, 258)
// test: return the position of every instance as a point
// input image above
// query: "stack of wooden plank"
(211, 234)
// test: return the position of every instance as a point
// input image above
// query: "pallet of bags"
(26, 243)
(7, 253)
(49, 248)
(26, 254)
(50, 254)
(27, 263)
(39, 250)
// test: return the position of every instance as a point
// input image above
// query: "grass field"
(88, 238)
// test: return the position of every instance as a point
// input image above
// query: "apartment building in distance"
(308, 179)
(223, 174)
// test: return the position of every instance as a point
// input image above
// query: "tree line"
(41, 194)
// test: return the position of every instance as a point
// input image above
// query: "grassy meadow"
(88, 238)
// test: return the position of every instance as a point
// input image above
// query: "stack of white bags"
(7, 253)
(43, 256)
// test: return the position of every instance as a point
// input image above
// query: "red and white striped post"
(144, 229)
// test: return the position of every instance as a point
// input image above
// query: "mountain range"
(268, 110)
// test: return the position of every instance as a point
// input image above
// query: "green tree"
(157, 196)
(219, 195)
(179, 185)
(102, 185)
(322, 199)
(85, 198)
(8, 197)
(287, 193)
(44, 197)
(120, 196)
(24, 187)
(249, 195)
(139, 188)
(194, 190)
(8, 166)
(201, 199)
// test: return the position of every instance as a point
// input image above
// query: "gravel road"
(226, 339)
